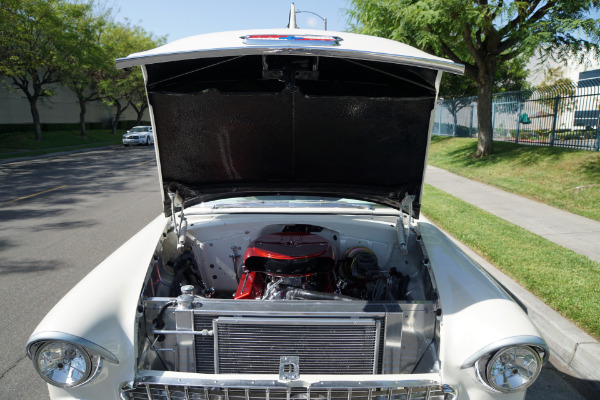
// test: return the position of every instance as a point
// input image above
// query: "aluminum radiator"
(256, 345)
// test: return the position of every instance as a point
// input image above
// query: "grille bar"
(147, 391)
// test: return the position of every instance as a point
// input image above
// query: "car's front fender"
(477, 315)
(100, 311)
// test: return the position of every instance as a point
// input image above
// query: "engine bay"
(290, 262)
(352, 276)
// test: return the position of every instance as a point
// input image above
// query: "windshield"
(139, 129)
(291, 202)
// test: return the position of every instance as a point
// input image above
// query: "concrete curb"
(575, 349)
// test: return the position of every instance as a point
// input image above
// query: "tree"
(557, 91)
(86, 66)
(118, 87)
(483, 34)
(36, 39)
(457, 90)
(138, 99)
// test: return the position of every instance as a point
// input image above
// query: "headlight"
(64, 364)
(510, 369)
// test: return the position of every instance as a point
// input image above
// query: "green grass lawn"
(564, 178)
(566, 281)
(24, 143)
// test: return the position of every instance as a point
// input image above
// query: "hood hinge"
(404, 222)
(181, 225)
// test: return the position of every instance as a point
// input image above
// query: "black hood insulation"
(264, 125)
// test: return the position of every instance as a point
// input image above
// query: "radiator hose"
(303, 294)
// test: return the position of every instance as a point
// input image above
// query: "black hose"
(158, 322)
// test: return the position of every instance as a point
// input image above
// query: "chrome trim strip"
(52, 336)
(525, 340)
(446, 66)
(147, 377)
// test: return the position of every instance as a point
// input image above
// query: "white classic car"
(289, 263)
(138, 135)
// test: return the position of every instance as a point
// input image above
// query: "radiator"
(256, 345)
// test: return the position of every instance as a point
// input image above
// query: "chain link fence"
(563, 116)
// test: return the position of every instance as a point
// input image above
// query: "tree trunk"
(140, 113)
(485, 143)
(37, 127)
(455, 122)
(120, 110)
(82, 110)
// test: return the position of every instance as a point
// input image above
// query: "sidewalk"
(573, 347)
(580, 234)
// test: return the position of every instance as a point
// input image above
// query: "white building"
(63, 108)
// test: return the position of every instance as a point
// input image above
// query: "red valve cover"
(290, 253)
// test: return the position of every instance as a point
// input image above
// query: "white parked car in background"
(138, 135)
(290, 262)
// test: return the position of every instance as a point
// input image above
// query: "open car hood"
(291, 111)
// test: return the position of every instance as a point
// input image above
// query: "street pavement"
(59, 217)
(575, 349)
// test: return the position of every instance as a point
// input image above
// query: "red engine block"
(284, 254)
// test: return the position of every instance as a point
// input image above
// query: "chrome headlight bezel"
(93, 363)
(488, 365)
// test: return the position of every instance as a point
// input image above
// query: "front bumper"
(134, 141)
(175, 386)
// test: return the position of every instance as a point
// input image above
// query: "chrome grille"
(173, 392)
(324, 346)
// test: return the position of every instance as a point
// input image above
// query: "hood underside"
(293, 123)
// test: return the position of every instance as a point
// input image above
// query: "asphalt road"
(61, 216)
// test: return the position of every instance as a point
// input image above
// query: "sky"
(177, 19)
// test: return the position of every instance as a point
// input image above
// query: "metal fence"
(562, 116)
